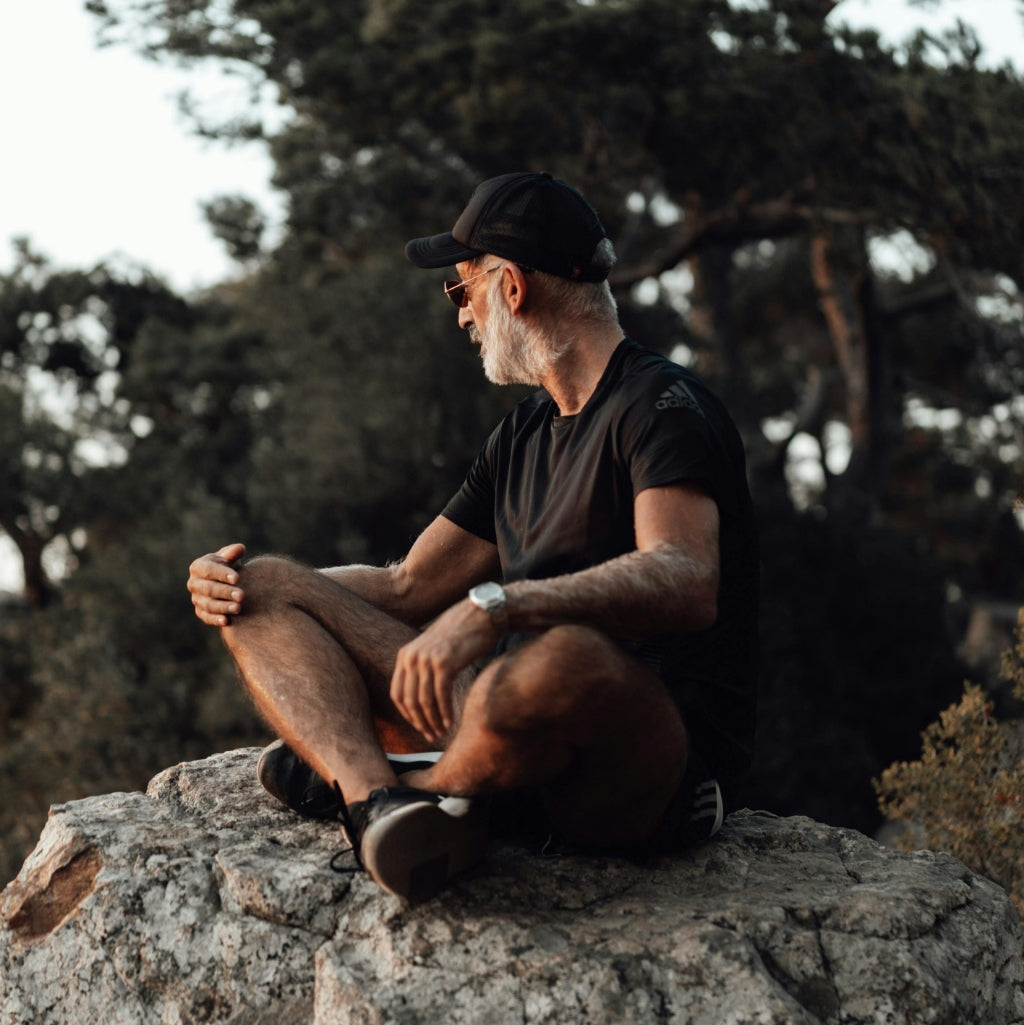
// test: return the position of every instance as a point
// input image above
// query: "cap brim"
(439, 251)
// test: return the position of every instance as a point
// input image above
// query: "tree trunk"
(842, 276)
(37, 590)
(711, 320)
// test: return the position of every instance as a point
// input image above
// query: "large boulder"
(204, 901)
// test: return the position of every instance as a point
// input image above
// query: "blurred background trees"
(825, 227)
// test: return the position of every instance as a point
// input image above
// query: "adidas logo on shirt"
(678, 397)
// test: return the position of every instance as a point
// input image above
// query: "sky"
(98, 163)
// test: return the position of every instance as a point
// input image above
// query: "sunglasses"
(456, 290)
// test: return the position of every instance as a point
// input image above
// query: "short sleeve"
(472, 506)
(668, 438)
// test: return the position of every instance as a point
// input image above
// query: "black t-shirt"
(555, 494)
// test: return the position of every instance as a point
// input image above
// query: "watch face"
(491, 598)
(488, 594)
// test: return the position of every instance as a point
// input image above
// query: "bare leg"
(317, 661)
(575, 715)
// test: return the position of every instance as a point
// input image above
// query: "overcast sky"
(97, 161)
(97, 158)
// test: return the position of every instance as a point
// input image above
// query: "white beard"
(512, 354)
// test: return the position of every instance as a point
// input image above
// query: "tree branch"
(734, 225)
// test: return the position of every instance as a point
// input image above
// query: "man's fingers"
(212, 620)
(430, 683)
(232, 552)
(419, 700)
(399, 681)
(218, 591)
(212, 567)
(414, 691)
(216, 606)
(212, 582)
(447, 710)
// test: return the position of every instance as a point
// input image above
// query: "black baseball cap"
(532, 219)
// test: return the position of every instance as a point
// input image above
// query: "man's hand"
(213, 584)
(426, 667)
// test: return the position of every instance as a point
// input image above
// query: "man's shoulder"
(661, 383)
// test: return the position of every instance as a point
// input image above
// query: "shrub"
(966, 794)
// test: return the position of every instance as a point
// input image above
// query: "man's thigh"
(335, 631)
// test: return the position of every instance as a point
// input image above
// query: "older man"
(579, 625)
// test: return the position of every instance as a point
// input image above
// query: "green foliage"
(65, 337)
(966, 793)
(378, 407)
(1013, 661)
(325, 404)
(238, 223)
(124, 682)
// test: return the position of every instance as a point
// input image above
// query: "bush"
(966, 794)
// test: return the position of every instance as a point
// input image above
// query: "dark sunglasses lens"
(456, 291)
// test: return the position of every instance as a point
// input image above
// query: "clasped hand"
(213, 584)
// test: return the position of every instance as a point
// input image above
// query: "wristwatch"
(491, 598)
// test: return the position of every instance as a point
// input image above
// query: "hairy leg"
(575, 715)
(317, 661)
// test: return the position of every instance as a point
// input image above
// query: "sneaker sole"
(415, 850)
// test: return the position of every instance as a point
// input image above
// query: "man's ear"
(515, 287)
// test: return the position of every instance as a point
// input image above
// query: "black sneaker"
(284, 775)
(707, 811)
(694, 815)
(411, 842)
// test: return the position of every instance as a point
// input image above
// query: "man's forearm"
(632, 597)
(443, 563)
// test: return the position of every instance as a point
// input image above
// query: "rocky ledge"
(203, 901)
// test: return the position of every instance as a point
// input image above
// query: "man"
(610, 677)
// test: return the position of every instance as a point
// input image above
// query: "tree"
(65, 336)
(106, 384)
(749, 162)
(739, 128)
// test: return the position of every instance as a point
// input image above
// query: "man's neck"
(576, 374)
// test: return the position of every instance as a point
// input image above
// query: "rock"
(204, 901)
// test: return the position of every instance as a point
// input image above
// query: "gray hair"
(582, 301)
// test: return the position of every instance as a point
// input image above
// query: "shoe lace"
(346, 821)
(336, 866)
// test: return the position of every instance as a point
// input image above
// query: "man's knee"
(574, 649)
(269, 582)
(551, 677)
